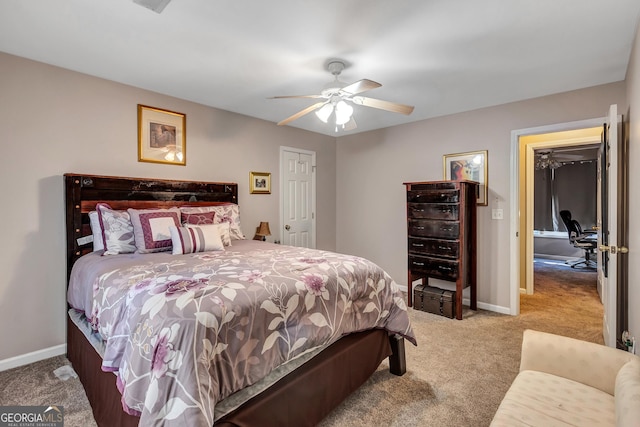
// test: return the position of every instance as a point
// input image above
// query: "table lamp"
(262, 231)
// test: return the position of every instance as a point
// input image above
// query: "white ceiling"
(442, 56)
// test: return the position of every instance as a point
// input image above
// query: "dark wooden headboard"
(83, 192)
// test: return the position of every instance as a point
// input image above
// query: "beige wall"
(55, 121)
(633, 96)
(372, 167)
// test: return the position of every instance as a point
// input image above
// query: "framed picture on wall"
(161, 136)
(259, 182)
(471, 166)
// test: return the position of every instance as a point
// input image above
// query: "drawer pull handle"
(419, 228)
(446, 228)
(445, 210)
(418, 210)
(442, 267)
(444, 247)
(418, 245)
(418, 263)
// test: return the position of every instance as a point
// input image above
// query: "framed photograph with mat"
(259, 182)
(161, 136)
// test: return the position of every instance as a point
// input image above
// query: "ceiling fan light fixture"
(324, 112)
(344, 112)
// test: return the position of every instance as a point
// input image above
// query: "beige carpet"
(456, 376)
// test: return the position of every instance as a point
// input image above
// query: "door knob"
(287, 227)
(613, 249)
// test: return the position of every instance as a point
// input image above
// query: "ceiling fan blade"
(296, 96)
(302, 113)
(360, 86)
(383, 105)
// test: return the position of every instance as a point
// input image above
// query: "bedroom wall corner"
(56, 121)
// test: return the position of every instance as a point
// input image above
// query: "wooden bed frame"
(302, 398)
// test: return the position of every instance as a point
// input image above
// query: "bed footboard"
(336, 373)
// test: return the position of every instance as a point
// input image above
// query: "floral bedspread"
(185, 331)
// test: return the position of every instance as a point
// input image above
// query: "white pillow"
(117, 230)
(223, 230)
(199, 238)
(96, 230)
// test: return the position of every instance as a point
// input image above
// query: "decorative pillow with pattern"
(200, 238)
(229, 212)
(117, 230)
(223, 231)
(198, 218)
(151, 228)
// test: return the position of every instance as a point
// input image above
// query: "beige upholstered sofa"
(568, 382)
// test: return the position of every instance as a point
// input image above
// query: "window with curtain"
(571, 187)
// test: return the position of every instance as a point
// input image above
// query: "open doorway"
(560, 175)
(576, 140)
(523, 144)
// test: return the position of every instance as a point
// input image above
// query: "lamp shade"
(263, 229)
(344, 112)
(324, 113)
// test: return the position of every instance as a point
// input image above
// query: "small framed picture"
(471, 166)
(161, 136)
(259, 182)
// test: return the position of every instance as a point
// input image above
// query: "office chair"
(579, 239)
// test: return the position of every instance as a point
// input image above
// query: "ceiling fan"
(553, 159)
(336, 97)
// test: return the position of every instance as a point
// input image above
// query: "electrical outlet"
(497, 214)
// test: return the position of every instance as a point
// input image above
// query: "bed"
(288, 375)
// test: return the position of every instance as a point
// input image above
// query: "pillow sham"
(117, 230)
(223, 230)
(197, 218)
(201, 238)
(151, 228)
(96, 231)
(229, 212)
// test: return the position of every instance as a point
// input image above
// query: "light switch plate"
(497, 214)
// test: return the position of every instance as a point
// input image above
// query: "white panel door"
(608, 225)
(298, 198)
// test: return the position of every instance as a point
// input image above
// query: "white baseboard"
(35, 356)
(489, 307)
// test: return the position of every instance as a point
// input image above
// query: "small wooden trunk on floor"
(435, 300)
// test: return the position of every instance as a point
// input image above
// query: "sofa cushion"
(542, 399)
(628, 394)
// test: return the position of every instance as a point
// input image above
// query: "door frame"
(313, 190)
(516, 184)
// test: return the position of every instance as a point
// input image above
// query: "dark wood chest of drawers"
(441, 229)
